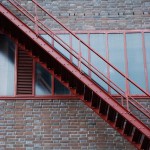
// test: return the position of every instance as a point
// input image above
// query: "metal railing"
(82, 62)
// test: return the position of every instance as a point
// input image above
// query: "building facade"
(55, 118)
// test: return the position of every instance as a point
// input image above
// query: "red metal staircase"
(120, 117)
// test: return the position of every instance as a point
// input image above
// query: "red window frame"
(124, 32)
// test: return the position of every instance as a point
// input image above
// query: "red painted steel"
(110, 86)
(98, 75)
(83, 44)
(68, 46)
(145, 63)
(79, 42)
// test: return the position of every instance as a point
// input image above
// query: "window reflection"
(116, 49)
(116, 57)
(65, 38)
(43, 81)
(147, 46)
(135, 61)
(97, 42)
(7, 66)
(59, 88)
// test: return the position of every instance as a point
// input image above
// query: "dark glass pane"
(135, 61)
(147, 46)
(116, 57)
(43, 81)
(7, 66)
(64, 38)
(59, 88)
(98, 43)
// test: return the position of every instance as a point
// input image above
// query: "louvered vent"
(24, 74)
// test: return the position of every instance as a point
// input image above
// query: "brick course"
(55, 124)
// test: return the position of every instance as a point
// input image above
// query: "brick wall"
(70, 124)
(55, 124)
(97, 14)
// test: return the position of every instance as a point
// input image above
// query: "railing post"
(122, 103)
(127, 98)
(35, 20)
(79, 59)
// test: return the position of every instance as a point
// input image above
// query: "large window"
(125, 50)
(7, 66)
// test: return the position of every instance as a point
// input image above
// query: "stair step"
(87, 94)
(137, 136)
(112, 114)
(128, 129)
(120, 121)
(146, 143)
(95, 101)
(103, 108)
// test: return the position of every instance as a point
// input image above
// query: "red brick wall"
(55, 124)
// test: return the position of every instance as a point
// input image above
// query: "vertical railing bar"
(79, 61)
(122, 103)
(70, 40)
(145, 62)
(35, 19)
(89, 56)
(108, 67)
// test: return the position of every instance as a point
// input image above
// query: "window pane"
(43, 81)
(116, 57)
(135, 61)
(147, 46)
(84, 50)
(47, 38)
(97, 42)
(59, 88)
(7, 66)
(75, 46)
(65, 38)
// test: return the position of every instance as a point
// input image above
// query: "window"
(7, 66)
(116, 57)
(44, 83)
(147, 47)
(112, 47)
(135, 61)
(98, 43)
